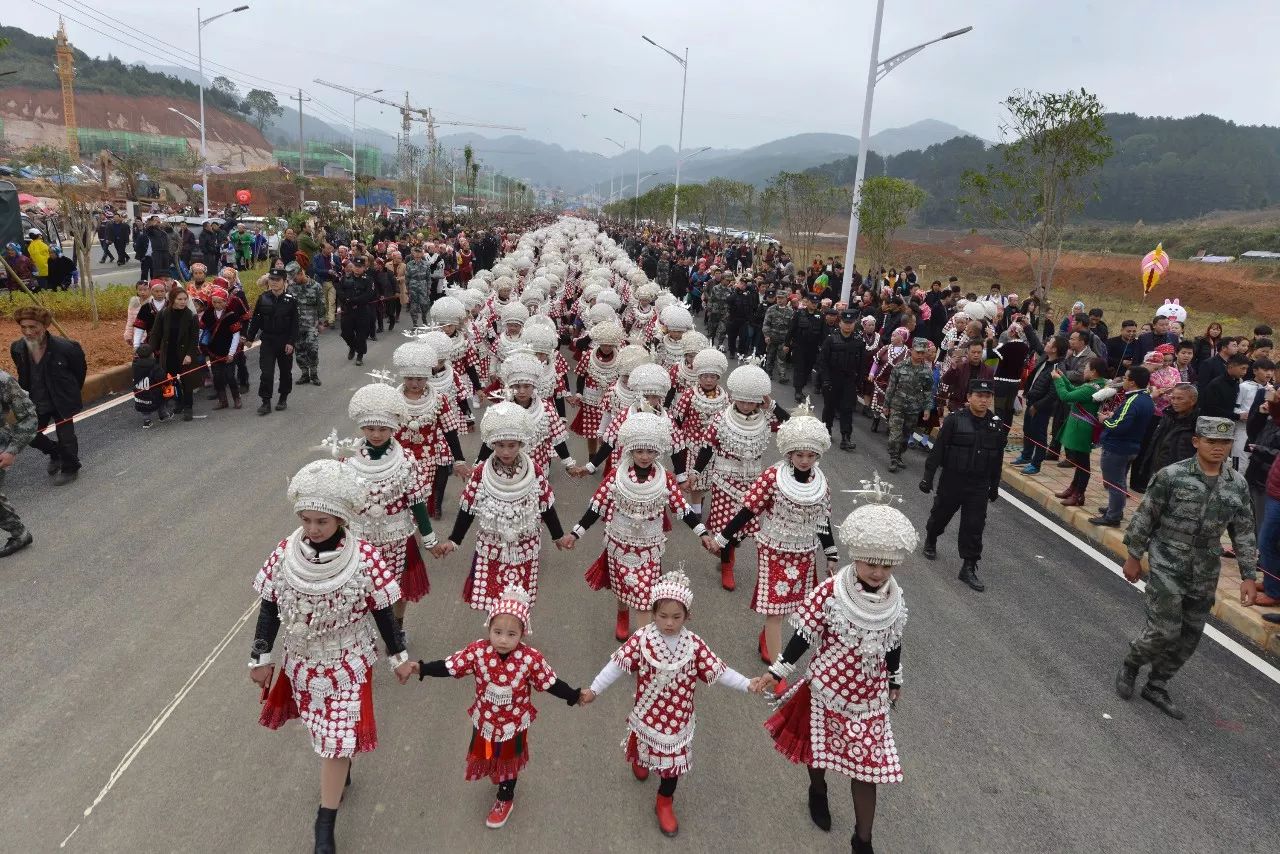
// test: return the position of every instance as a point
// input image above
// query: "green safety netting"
(161, 150)
(368, 158)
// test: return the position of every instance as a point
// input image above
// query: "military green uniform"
(910, 393)
(1179, 526)
(418, 283)
(717, 302)
(777, 324)
(13, 438)
(311, 310)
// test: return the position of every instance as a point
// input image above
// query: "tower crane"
(66, 78)
(408, 114)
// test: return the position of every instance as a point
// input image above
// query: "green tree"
(884, 206)
(224, 86)
(1054, 144)
(262, 105)
(805, 201)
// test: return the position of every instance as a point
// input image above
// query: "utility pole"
(302, 166)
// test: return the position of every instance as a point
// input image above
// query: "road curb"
(1226, 607)
(104, 383)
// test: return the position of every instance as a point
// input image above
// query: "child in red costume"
(506, 673)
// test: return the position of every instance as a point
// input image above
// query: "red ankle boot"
(1075, 499)
(764, 650)
(640, 772)
(726, 569)
(666, 816)
(622, 626)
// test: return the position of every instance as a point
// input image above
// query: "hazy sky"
(759, 69)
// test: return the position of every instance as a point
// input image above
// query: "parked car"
(311, 206)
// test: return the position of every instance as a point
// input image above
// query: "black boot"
(1124, 681)
(930, 550)
(846, 443)
(818, 809)
(305, 379)
(1158, 696)
(860, 846)
(283, 403)
(315, 378)
(969, 575)
(325, 819)
(351, 353)
(265, 408)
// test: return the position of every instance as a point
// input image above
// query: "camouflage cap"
(1215, 428)
(292, 267)
(920, 345)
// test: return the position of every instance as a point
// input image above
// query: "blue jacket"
(1124, 430)
(321, 267)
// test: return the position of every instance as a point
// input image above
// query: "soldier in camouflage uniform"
(716, 299)
(664, 271)
(13, 438)
(776, 327)
(311, 308)
(910, 393)
(418, 281)
(1179, 526)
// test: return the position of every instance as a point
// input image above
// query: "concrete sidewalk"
(1041, 488)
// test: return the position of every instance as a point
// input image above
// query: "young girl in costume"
(736, 441)
(675, 321)
(598, 371)
(837, 717)
(633, 500)
(683, 373)
(649, 384)
(320, 584)
(506, 672)
(521, 374)
(793, 503)
(640, 318)
(541, 338)
(620, 397)
(430, 431)
(693, 412)
(448, 315)
(506, 495)
(396, 487)
(512, 320)
(668, 662)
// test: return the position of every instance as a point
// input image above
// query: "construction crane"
(66, 76)
(408, 114)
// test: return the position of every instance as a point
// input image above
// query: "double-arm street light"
(639, 147)
(201, 23)
(684, 80)
(875, 73)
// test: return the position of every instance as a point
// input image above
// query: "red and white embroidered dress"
(507, 514)
(598, 375)
(325, 600)
(738, 443)
(503, 705)
(394, 483)
(634, 539)
(694, 411)
(661, 725)
(791, 515)
(430, 418)
(837, 718)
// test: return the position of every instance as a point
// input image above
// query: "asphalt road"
(139, 581)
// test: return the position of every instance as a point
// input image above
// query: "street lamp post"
(621, 147)
(204, 156)
(355, 99)
(639, 147)
(876, 72)
(684, 80)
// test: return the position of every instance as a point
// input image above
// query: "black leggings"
(1079, 480)
(507, 790)
(667, 786)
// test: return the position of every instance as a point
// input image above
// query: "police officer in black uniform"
(840, 366)
(803, 341)
(275, 318)
(969, 449)
(356, 293)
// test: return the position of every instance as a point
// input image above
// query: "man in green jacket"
(1178, 527)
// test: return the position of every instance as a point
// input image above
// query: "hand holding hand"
(444, 549)
(709, 543)
(567, 542)
(894, 694)
(762, 683)
(463, 469)
(577, 471)
(405, 670)
(586, 697)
